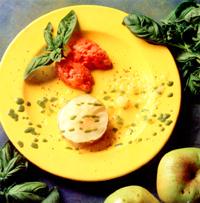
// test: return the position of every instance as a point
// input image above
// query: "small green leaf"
(54, 45)
(48, 36)
(58, 41)
(12, 163)
(6, 154)
(181, 11)
(36, 63)
(186, 56)
(27, 192)
(193, 82)
(53, 197)
(144, 27)
(67, 26)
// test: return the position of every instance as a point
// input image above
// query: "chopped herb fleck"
(97, 104)
(106, 97)
(170, 83)
(71, 129)
(113, 91)
(20, 101)
(94, 116)
(36, 140)
(170, 94)
(163, 117)
(168, 122)
(73, 117)
(28, 103)
(131, 131)
(133, 124)
(53, 99)
(136, 106)
(34, 145)
(21, 108)
(13, 115)
(30, 130)
(39, 125)
(119, 144)
(70, 148)
(162, 129)
(79, 104)
(114, 130)
(119, 120)
(20, 143)
(44, 140)
(88, 131)
(42, 102)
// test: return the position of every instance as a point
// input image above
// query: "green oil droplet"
(34, 145)
(20, 143)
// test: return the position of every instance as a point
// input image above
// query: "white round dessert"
(83, 119)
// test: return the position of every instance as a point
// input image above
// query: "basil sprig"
(12, 166)
(180, 31)
(55, 45)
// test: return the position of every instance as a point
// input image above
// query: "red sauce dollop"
(84, 55)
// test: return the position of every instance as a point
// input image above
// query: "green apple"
(131, 194)
(178, 176)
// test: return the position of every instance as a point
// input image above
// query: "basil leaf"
(6, 155)
(181, 11)
(13, 167)
(144, 27)
(58, 41)
(193, 82)
(56, 55)
(186, 56)
(53, 197)
(37, 62)
(27, 192)
(48, 36)
(66, 27)
(12, 163)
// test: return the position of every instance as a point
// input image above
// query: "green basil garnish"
(12, 189)
(144, 27)
(27, 192)
(55, 45)
(53, 197)
(49, 37)
(180, 31)
(37, 62)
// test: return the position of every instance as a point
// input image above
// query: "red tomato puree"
(84, 55)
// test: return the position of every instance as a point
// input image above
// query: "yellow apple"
(131, 194)
(178, 176)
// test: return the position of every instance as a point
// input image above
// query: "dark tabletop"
(16, 14)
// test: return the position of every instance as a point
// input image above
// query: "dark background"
(16, 14)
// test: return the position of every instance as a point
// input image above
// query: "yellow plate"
(142, 94)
